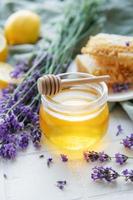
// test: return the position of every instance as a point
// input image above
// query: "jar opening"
(78, 98)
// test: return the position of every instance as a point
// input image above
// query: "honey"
(76, 118)
(74, 132)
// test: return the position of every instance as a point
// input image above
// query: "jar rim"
(99, 101)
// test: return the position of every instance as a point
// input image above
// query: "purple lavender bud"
(103, 157)
(120, 158)
(128, 175)
(91, 156)
(61, 184)
(8, 151)
(128, 141)
(127, 44)
(36, 136)
(125, 172)
(104, 173)
(12, 122)
(10, 138)
(35, 118)
(15, 74)
(120, 87)
(64, 158)
(61, 187)
(3, 129)
(5, 176)
(49, 161)
(126, 86)
(23, 141)
(20, 68)
(7, 91)
(41, 156)
(119, 130)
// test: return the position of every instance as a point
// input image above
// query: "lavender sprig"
(109, 175)
(121, 158)
(92, 156)
(104, 173)
(96, 156)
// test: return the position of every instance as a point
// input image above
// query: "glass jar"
(77, 117)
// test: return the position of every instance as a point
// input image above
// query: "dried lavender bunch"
(19, 106)
(92, 156)
(19, 120)
(109, 175)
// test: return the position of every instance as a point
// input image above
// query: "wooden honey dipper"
(51, 84)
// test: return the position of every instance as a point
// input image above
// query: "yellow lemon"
(22, 27)
(5, 78)
(3, 48)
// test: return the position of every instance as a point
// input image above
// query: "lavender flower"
(120, 158)
(128, 141)
(10, 138)
(5, 176)
(8, 151)
(61, 184)
(120, 87)
(13, 124)
(20, 68)
(23, 141)
(7, 91)
(119, 130)
(96, 156)
(64, 158)
(17, 112)
(128, 174)
(29, 114)
(104, 173)
(127, 44)
(49, 161)
(91, 156)
(41, 156)
(35, 136)
(103, 157)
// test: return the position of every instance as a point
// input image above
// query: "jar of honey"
(76, 118)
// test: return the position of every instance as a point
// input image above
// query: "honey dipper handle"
(69, 82)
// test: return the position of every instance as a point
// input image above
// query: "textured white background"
(29, 178)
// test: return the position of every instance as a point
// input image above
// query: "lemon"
(5, 78)
(22, 27)
(3, 48)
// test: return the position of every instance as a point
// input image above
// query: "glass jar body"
(75, 119)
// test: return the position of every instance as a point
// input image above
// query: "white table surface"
(29, 178)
